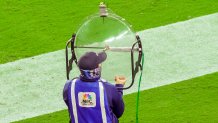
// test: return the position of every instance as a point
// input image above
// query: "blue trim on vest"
(107, 108)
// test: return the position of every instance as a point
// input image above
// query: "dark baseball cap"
(91, 60)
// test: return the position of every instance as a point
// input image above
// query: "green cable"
(138, 94)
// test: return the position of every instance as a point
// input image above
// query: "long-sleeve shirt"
(114, 97)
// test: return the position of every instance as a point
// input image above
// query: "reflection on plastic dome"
(104, 30)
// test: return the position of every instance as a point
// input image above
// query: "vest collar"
(88, 80)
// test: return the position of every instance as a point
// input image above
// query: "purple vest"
(88, 102)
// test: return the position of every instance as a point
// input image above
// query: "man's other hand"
(120, 80)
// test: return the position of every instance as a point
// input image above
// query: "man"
(91, 99)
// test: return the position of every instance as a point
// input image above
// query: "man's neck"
(88, 80)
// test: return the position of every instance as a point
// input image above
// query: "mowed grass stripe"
(192, 101)
(29, 28)
(171, 55)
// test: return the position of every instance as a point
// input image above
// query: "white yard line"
(180, 51)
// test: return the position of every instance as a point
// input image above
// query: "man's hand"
(120, 80)
(106, 48)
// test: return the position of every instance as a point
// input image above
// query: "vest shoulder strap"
(102, 80)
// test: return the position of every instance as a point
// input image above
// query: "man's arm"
(118, 98)
(115, 98)
(65, 91)
(118, 104)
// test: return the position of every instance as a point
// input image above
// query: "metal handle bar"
(113, 49)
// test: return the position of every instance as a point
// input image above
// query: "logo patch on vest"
(87, 99)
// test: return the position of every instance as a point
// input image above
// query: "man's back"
(93, 101)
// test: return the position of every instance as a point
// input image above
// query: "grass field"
(190, 101)
(29, 28)
(171, 54)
